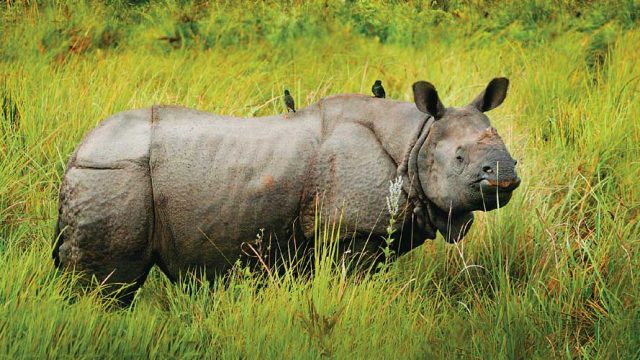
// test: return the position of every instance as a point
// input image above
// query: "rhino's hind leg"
(105, 226)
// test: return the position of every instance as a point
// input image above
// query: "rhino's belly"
(217, 182)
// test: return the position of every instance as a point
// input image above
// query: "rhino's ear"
(426, 98)
(492, 96)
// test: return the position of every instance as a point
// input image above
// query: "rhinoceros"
(185, 189)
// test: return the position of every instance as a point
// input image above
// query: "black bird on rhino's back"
(378, 90)
(288, 102)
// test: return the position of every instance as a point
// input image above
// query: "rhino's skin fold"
(185, 189)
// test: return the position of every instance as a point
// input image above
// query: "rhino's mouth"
(490, 185)
(495, 193)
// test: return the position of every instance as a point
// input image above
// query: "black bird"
(288, 102)
(378, 90)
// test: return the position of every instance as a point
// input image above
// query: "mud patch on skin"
(268, 182)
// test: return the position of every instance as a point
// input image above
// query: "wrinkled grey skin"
(188, 190)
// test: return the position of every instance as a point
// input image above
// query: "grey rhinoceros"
(185, 189)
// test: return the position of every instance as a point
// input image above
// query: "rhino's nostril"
(487, 169)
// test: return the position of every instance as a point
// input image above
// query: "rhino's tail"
(58, 239)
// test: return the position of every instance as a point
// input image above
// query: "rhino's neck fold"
(453, 227)
(410, 169)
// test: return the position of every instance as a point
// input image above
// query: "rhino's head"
(463, 164)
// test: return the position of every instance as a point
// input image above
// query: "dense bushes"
(78, 27)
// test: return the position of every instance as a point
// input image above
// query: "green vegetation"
(555, 274)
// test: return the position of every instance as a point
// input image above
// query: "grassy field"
(555, 274)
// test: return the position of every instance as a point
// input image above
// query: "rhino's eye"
(459, 158)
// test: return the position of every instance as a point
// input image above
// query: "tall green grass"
(553, 274)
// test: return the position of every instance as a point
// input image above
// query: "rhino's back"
(218, 180)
